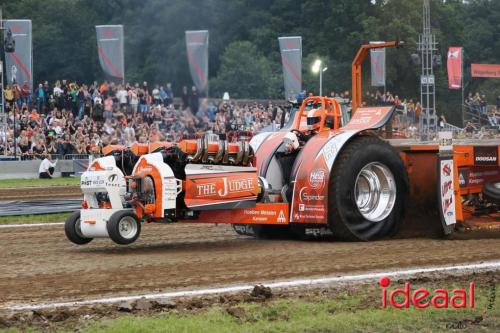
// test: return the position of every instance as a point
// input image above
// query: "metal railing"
(451, 128)
(76, 156)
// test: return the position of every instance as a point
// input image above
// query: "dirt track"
(40, 265)
(34, 193)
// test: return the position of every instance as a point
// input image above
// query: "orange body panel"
(188, 146)
(144, 169)
(206, 190)
(96, 166)
(110, 148)
(233, 148)
(263, 213)
(159, 144)
(140, 149)
(470, 175)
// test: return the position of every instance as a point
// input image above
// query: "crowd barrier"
(14, 169)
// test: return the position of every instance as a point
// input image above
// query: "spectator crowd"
(69, 118)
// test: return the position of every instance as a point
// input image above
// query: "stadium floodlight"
(316, 66)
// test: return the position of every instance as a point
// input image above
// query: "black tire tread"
(69, 229)
(339, 229)
(112, 227)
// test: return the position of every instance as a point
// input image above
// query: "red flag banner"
(455, 68)
(485, 70)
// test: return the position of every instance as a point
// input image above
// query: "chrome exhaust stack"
(220, 152)
(239, 157)
(246, 153)
(204, 155)
(199, 151)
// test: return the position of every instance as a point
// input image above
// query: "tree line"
(244, 53)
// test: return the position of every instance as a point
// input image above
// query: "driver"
(313, 121)
(292, 141)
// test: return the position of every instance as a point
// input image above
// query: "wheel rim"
(375, 191)
(78, 228)
(127, 227)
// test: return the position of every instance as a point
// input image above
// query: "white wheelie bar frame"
(105, 180)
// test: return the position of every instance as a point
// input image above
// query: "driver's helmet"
(313, 119)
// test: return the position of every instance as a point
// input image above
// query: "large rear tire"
(367, 190)
(124, 227)
(73, 231)
(491, 191)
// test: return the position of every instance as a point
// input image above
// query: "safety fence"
(31, 157)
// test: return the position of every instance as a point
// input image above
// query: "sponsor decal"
(144, 169)
(404, 298)
(112, 178)
(304, 196)
(329, 152)
(462, 178)
(317, 179)
(265, 215)
(447, 170)
(477, 176)
(484, 155)
(228, 187)
(447, 192)
(92, 182)
(281, 217)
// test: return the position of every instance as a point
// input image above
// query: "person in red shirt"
(26, 93)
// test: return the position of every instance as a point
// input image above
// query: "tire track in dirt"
(39, 193)
(39, 264)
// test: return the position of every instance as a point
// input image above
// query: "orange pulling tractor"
(320, 175)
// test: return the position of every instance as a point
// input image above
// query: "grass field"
(340, 311)
(60, 181)
(57, 217)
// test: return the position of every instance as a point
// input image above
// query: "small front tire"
(124, 227)
(72, 228)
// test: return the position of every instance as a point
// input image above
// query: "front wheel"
(124, 227)
(72, 228)
(367, 190)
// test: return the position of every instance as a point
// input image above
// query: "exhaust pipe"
(225, 159)
(199, 151)
(246, 153)
(204, 155)
(239, 156)
(220, 151)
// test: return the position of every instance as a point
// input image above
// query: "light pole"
(318, 68)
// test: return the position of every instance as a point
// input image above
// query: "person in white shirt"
(46, 169)
(122, 96)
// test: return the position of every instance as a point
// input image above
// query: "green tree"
(244, 73)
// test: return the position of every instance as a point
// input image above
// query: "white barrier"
(29, 169)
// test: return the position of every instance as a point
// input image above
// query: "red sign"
(485, 70)
(455, 68)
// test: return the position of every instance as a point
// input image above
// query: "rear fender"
(312, 169)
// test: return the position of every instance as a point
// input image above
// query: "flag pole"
(463, 88)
